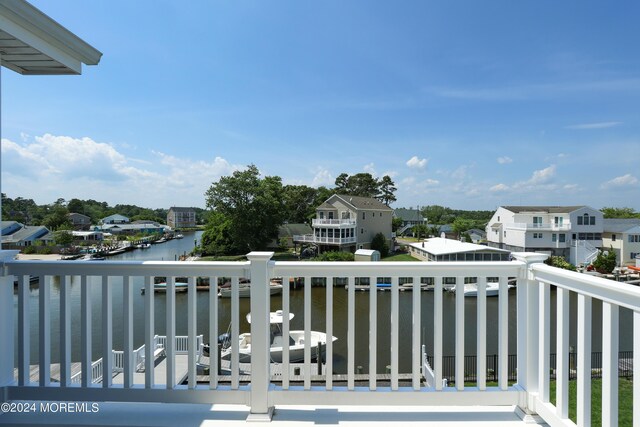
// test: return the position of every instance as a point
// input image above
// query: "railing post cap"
(259, 256)
(530, 257)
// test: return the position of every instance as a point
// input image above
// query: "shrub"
(560, 262)
(379, 243)
(334, 256)
(605, 262)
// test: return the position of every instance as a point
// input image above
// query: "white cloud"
(62, 166)
(504, 160)
(417, 163)
(542, 176)
(370, 168)
(599, 125)
(627, 180)
(322, 177)
(499, 188)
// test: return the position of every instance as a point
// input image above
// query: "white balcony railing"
(547, 226)
(311, 238)
(325, 221)
(116, 281)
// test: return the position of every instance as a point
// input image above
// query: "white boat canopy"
(274, 317)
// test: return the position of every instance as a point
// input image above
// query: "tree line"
(246, 210)
(55, 216)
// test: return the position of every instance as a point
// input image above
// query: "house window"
(537, 221)
(634, 255)
(498, 218)
(330, 215)
(321, 215)
(592, 220)
(579, 220)
(613, 237)
(362, 231)
(554, 237)
(373, 214)
(363, 215)
(563, 238)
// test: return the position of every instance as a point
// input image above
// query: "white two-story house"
(573, 232)
(623, 235)
(348, 223)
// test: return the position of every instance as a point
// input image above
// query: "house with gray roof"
(115, 219)
(623, 235)
(573, 232)
(410, 217)
(348, 223)
(15, 234)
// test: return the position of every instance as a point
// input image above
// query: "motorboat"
(244, 290)
(143, 246)
(295, 342)
(179, 286)
(471, 290)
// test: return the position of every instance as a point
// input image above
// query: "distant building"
(15, 234)
(286, 232)
(181, 218)
(477, 235)
(348, 223)
(574, 232)
(143, 227)
(439, 249)
(80, 222)
(410, 217)
(93, 236)
(623, 235)
(115, 219)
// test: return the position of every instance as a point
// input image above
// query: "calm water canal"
(172, 249)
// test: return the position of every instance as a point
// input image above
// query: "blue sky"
(465, 104)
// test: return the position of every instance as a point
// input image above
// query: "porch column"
(528, 337)
(7, 336)
(260, 343)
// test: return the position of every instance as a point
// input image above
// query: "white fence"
(531, 392)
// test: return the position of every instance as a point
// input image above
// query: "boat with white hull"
(295, 342)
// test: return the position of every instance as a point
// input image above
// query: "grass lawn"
(400, 257)
(625, 399)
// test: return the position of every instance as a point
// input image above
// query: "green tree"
(63, 237)
(460, 225)
(420, 231)
(605, 262)
(396, 223)
(57, 218)
(620, 213)
(252, 205)
(386, 188)
(217, 238)
(379, 243)
(299, 203)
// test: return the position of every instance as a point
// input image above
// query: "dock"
(296, 374)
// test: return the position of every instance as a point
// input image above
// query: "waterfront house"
(623, 236)
(348, 223)
(573, 232)
(286, 233)
(441, 249)
(115, 219)
(79, 221)
(178, 218)
(17, 235)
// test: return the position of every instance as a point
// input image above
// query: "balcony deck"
(202, 415)
(419, 398)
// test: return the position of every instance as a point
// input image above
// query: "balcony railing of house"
(311, 238)
(325, 221)
(530, 393)
(565, 226)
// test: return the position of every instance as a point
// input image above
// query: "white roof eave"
(28, 25)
